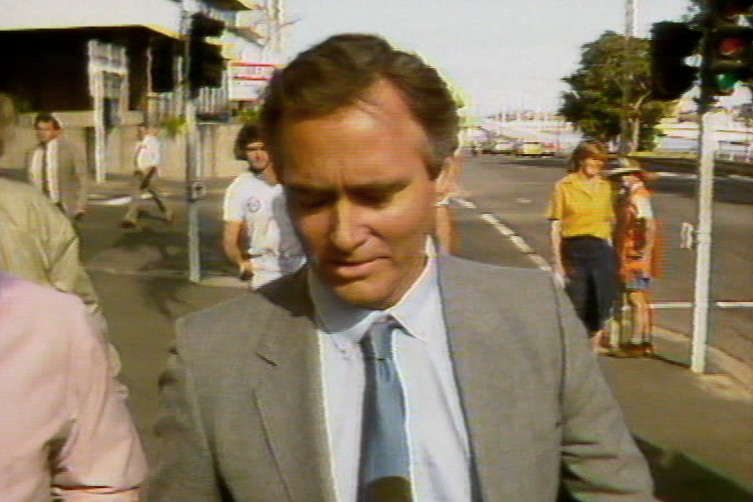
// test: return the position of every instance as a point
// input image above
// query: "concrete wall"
(162, 14)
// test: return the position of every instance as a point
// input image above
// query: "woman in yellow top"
(582, 221)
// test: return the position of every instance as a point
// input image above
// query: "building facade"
(104, 67)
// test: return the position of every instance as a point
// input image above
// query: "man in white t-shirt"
(258, 235)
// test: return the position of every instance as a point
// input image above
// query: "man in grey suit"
(271, 396)
(57, 168)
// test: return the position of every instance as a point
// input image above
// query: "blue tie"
(385, 462)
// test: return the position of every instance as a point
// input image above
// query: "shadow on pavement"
(680, 478)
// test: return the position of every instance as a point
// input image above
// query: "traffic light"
(206, 64)
(162, 69)
(671, 44)
(730, 45)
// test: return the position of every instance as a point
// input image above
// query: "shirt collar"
(347, 323)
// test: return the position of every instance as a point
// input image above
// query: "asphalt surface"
(695, 430)
(517, 192)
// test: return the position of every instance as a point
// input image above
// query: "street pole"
(626, 136)
(192, 153)
(707, 146)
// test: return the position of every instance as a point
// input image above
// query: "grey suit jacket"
(242, 416)
(72, 175)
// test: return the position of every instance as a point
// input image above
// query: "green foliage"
(248, 115)
(173, 126)
(601, 94)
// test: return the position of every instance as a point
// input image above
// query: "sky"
(498, 54)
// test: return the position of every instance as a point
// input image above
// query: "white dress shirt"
(147, 153)
(437, 435)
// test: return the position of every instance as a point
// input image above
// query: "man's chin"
(362, 293)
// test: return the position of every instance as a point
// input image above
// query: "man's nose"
(347, 232)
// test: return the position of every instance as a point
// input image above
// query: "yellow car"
(529, 149)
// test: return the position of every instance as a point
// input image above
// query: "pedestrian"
(37, 242)
(635, 241)
(582, 219)
(383, 369)
(146, 162)
(57, 168)
(258, 236)
(65, 431)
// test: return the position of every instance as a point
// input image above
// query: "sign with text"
(247, 79)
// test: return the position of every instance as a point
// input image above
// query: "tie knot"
(377, 342)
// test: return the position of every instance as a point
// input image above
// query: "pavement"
(695, 430)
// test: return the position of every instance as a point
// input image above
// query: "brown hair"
(337, 72)
(587, 149)
(249, 133)
(48, 118)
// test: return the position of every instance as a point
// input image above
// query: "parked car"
(495, 146)
(549, 149)
(504, 146)
(529, 149)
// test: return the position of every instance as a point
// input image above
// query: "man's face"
(46, 131)
(257, 156)
(360, 195)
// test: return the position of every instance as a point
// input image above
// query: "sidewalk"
(696, 431)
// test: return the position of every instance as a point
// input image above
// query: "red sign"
(257, 72)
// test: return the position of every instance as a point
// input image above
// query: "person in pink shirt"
(65, 431)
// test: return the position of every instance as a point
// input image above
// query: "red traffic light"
(733, 47)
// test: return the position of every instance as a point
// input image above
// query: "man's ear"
(446, 182)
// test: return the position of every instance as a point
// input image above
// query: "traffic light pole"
(192, 156)
(707, 147)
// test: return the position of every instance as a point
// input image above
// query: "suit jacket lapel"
(477, 337)
(289, 400)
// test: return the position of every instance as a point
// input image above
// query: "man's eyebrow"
(376, 185)
(379, 186)
(307, 187)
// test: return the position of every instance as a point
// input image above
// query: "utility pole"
(707, 147)
(193, 186)
(626, 136)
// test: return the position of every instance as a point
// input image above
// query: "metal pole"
(706, 150)
(707, 147)
(192, 155)
(626, 136)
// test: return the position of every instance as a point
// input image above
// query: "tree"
(613, 83)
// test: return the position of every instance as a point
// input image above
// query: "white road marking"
(738, 177)
(465, 203)
(516, 240)
(117, 201)
(544, 265)
(687, 305)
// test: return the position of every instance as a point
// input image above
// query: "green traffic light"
(725, 83)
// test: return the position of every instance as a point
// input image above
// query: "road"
(516, 191)
(140, 275)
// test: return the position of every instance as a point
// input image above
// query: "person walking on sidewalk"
(384, 370)
(582, 219)
(257, 235)
(146, 160)
(635, 239)
(57, 169)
